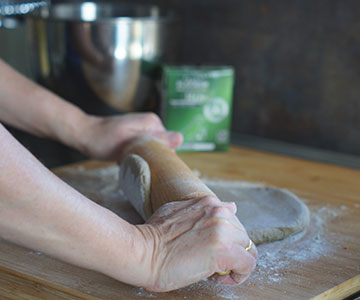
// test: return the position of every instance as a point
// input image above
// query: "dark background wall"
(297, 64)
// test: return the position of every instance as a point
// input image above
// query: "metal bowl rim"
(44, 13)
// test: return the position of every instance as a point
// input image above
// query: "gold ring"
(248, 248)
(224, 273)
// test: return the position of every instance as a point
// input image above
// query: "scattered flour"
(275, 259)
(302, 248)
(34, 253)
(343, 207)
(144, 293)
(274, 262)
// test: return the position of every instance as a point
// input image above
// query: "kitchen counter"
(296, 150)
(300, 267)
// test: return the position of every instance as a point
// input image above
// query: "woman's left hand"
(104, 137)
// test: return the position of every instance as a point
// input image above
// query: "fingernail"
(235, 207)
(175, 138)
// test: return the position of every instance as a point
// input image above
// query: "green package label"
(197, 102)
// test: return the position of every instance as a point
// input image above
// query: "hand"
(191, 240)
(104, 137)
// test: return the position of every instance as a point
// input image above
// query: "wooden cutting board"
(301, 267)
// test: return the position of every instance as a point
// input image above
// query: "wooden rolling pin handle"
(171, 179)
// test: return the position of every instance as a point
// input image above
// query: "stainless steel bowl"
(93, 51)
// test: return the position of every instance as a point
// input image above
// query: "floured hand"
(191, 240)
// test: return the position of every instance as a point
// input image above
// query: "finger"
(241, 263)
(152, 121)
(212, 204)
(245, 242)
(197, 204)
(253, 251)
(226, 212)
(231, 278)
(230, 205)
(171, 208)
(172, 138)
(195, 208)
(240, 276)
(202, 202)
(175, 139)
(235, 245)
(223, 212)
(248, 262)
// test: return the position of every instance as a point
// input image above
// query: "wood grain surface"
(25, 274)
(345, 289)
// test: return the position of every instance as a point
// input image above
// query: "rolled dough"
(267, 213)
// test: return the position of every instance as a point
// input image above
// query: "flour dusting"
(275, 260)
(144, 293)
(31, 252)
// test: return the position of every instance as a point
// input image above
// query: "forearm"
(32, 108)
(39, 211)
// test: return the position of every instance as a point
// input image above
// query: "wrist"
(128, 256)
(83, 140)
(71, 128)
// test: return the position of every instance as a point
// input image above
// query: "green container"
(197, 101)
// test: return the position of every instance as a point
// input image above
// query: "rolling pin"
(171, 179)
(151, 174)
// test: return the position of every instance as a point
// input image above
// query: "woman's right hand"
(191, 240)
